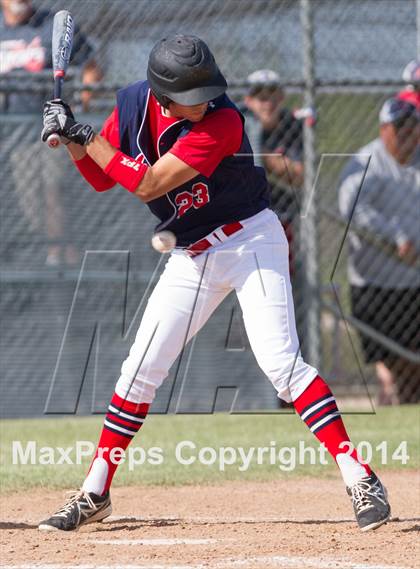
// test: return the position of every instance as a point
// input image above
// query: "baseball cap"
(411, 73)
(263, 79)
(397, 111)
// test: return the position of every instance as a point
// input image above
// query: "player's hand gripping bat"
(62, 43)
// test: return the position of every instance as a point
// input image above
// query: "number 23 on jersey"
(198, 197)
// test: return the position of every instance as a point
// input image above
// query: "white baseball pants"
(254, 263)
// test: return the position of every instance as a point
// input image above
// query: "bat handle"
(58, 83)
(53, 140)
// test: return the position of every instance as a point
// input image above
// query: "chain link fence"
(338, 61)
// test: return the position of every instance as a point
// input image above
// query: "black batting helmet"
(182, 69)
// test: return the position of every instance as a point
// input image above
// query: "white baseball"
(163, 241)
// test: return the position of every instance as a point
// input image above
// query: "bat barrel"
(62, 41)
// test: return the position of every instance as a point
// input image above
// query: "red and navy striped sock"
(318, 409)
(122, 422)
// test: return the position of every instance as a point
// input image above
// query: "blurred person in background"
(272, 129)
(411, 76)
(384, 279)
(25, 48)
(93, 76)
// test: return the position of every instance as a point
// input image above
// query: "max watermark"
(187, 453)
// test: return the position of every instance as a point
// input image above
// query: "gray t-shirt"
(388, 207)
(27, 49)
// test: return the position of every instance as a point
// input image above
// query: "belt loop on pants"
(217, 236)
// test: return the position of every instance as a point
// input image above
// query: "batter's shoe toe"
(81, 508)
(370, 502)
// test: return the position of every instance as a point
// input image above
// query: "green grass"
(221, 430)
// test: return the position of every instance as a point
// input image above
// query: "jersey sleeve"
(216, 136)
(111, 130)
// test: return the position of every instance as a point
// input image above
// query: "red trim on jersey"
(217, 135)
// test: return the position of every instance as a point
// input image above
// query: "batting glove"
(59, 119)
(57, 107)
(55, 115)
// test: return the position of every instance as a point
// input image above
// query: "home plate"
(174, 541)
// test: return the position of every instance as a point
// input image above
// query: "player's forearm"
(134, 176)
(146, 182)
(123, 169)
(101, 151)
(109, 166)
(93, 174)
(89, 169)
(152, 186)
(167, 173)
(76, 151)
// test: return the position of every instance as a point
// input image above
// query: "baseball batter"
(177, 143)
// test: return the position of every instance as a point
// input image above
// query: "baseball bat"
(62, 43)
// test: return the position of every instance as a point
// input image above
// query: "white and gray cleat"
(81, 508)
(370, 502)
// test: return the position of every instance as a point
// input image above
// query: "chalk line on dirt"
(228, 520)
(173, 541)
(267, 561)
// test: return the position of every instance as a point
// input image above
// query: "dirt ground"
(299, 523)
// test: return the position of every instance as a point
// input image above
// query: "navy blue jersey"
(237, 189)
